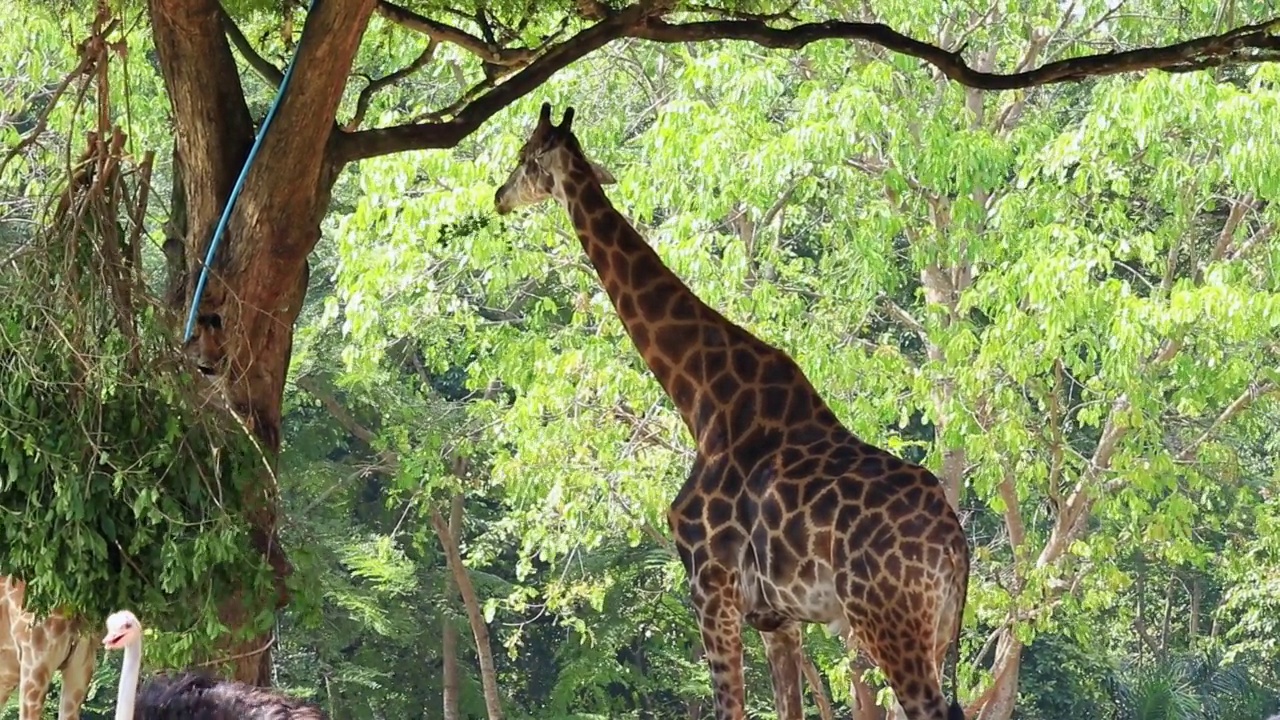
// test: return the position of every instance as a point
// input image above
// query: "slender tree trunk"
(1166, 621)
(449, 644)
(1139, 617)
(864, 696)
(694, 706)
(817, 687)
(488, 674)
(1197, 597)
(642, 664)
(998, 701)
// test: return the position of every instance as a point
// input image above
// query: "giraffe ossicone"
(786, 516)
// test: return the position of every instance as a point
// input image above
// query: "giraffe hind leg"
(77, 671)
(948, 621)
(902, 646)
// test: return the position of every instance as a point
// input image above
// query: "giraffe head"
(123, 629)
(546, 160)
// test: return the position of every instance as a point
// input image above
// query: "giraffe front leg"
(720, 619)
(783, 648)
(8, 683)
(33, 689)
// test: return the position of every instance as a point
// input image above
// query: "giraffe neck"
(667, 322)
(725, 382)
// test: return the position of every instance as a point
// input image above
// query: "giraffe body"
(786, 517)
(32, 649)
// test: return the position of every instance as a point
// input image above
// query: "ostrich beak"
(112, 640)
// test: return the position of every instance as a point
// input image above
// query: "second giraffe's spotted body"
(32, 649)
(786, 516)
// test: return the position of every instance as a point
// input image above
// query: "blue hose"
(235, 193)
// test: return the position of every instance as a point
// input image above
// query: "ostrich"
(187, 694)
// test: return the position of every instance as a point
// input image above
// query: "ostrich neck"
(129, 680)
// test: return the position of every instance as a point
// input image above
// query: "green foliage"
(1195, 686)
(1066, 221)
(119, 487)
(995, 278)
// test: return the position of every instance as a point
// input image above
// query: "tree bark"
(243, 337)
(864, 696)
(1167, 619)
(1197, 597)
(998, 701)
(449, 645)
(817, 687)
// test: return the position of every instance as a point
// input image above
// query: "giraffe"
(786, 517)
(32, 649)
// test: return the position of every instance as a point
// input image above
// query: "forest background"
(1063, 298)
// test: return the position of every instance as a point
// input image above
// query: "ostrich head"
(123, 629)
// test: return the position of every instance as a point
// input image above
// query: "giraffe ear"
(544, 115)
(603, 176)
(566, 123)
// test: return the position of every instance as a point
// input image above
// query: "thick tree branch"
(269, 72)
(367, 93)
(371, 143)
(325, 52)
(444, 32)
(212, 148)
(1251, 43)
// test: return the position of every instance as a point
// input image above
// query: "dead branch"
(92, 51)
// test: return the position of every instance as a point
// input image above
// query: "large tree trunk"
(257, 281)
